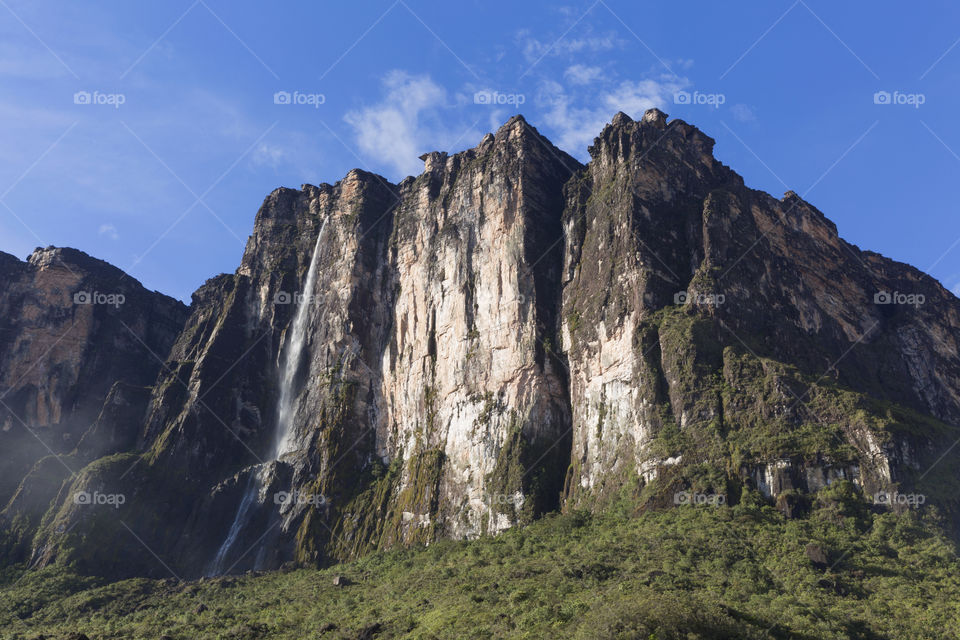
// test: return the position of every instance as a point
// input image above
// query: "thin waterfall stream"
(286, 409)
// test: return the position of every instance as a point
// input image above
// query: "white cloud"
(269, 155)
(576, 126)
(109, 231)
(406, 123)
(634, 98)
(582, 74)
(743, 113)
(534, 49)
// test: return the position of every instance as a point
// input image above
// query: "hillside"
(690, 572)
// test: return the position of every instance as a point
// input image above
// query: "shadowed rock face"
(676, 274)
(79, 343)
(71, 327)
(507, 334)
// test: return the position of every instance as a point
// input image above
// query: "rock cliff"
(709, 323)
(507, 334)
(80, 341)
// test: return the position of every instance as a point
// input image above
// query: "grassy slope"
(688, 572)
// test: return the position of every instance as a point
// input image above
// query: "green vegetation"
(741, 571)
(740, 409)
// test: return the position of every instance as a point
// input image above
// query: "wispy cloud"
(109, 231)
(582, 74)
(269, 155)
(533, 48)
(407, 122)
(743, 113)
(576, 119)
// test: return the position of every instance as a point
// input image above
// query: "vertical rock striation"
(473, 404)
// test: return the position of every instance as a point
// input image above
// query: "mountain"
(508, 334)
(80, 345)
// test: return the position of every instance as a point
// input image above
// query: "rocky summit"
(509, 334)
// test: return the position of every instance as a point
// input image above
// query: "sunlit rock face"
(473, 392)
(506, 334)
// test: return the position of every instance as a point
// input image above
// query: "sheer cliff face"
(634, 235)
(72, 326)
(509, 333)
(474, 397)
(214, 410)
(685, 295)
(79, 341)
(430, 400)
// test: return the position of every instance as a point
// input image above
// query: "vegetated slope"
(845, 571)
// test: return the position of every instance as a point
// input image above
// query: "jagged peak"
(353, 175)
(517, 121)
(51, 256)
(624, 133)
(652, 116)
(362, 174)
(621, 119)
(433, 160)
(516, 129)
(655, 117)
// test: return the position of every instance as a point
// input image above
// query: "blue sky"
(162, 170)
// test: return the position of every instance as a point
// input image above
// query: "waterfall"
(286, 409)
(249, 496)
